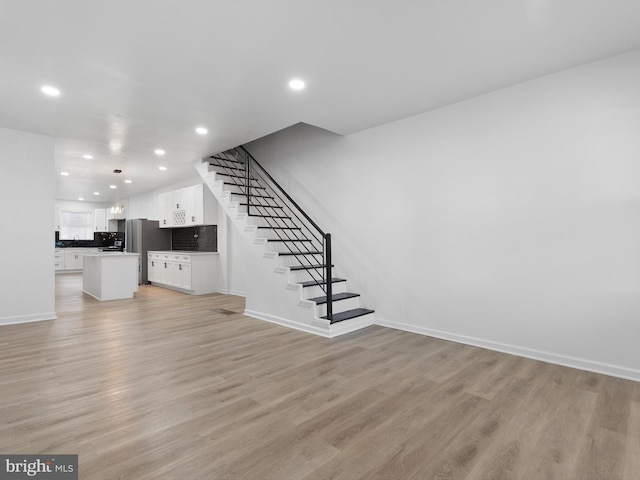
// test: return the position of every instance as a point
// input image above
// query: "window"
(76, 225)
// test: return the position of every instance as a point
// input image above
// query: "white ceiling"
(136, 75)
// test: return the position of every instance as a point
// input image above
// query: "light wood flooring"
(171, 386)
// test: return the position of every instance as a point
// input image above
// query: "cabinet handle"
(180, 267)
(193, 218)
(177, 205)
(153, 263)
(165, 265)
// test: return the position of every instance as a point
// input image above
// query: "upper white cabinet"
(101, 217)
(100, 222)
(56, 219)
(187, 207)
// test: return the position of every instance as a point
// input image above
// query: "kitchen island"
(110, 275)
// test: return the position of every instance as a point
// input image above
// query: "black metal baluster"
(247, 183)
(327, 239)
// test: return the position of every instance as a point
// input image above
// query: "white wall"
(509, 221)
(76, 206)
(27, 191)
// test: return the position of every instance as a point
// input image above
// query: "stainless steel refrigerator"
(142, 235)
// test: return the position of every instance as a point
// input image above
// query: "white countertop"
(112, 254)
(182, 252)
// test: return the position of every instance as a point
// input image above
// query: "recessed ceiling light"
(87, 156)
(113, 186)
(127, 181)
(296, 84)
(201, 131)
(64, 174)
(81, 198)
(162, 168)
(49, 90)
(159, 151)
(96, 193)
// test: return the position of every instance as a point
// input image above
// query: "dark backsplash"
(195, 239)
(100, 239)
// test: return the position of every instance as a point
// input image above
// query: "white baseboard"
(564, 360)
(38, 317)
(358, 323)
(233, 292)
(322, 328)
(287, 323)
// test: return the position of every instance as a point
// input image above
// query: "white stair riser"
(282, 234)
(299, 276)
(294, 261)
(340, 306)
(261, 210)
(316, 291)
(288, 246)
(259, 221)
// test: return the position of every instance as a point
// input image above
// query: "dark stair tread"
(252, 195)
(265, 206)
(279, 228)
(267, 216)
(336, 296)
(242, 185)
(299, 253)
(288, 240)
(232, 160)
(227, 167)
(307, 267)
(237, 176)
(314, 283)
(347, 315)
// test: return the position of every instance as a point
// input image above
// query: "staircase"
(291, 246)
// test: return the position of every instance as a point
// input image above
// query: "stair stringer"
(274, 295)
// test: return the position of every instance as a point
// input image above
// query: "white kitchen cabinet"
(156, 268)
(190, 201)
(100, 220)
(165, 206)
(73, 259)
(101, 217)
(195, 273)
(56, 219)
(182, 275)
(58, 256)
(187, 207)
(152, 269)
(67, 259)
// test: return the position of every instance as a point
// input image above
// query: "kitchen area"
(178, 251)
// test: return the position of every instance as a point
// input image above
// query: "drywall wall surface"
(27, 189)
(508, 221)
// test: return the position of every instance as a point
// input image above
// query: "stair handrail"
(293, 202)
(327, 254)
